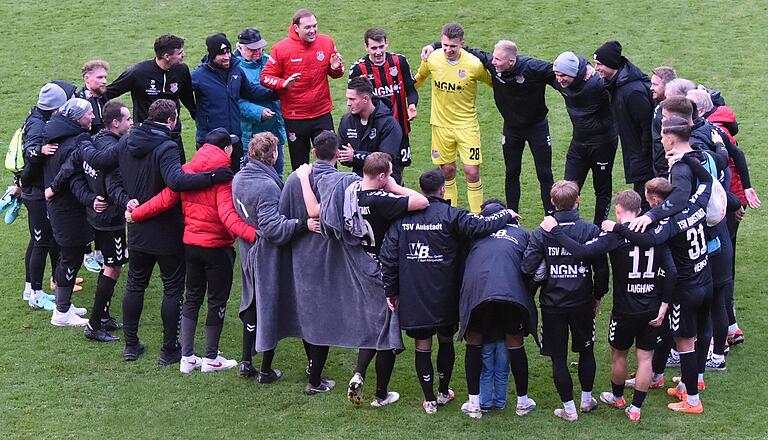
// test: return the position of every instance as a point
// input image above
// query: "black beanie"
(609, 54)
(217, 44)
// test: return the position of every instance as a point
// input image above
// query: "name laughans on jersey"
(692, 219)
(642, 289)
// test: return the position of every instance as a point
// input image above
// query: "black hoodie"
(589, 107)
(632, 106)
(381, 133)
(149, 161)
(67, 209)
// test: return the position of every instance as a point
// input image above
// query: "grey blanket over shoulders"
(327, 290)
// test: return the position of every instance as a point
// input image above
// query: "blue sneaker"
(91, 264)
(13, 211)
(42, 303)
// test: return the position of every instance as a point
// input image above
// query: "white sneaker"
(565, 415)
(189, 364)
(67, 319)
(218, 364)
(430, 407)
(443, 399)
(355, 389)
(392, 397)
(25, 295)
(471, 410)
(79, 311)
(522, 410)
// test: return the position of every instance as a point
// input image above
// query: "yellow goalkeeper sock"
(475, 195)
(452, 192)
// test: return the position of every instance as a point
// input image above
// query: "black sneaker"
(169, 358)
(269, 377)
(326, 385)
(111, 325)
(246, 369)
(99, 335)
(132, 352)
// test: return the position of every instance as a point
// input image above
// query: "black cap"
(251, 38)
(221, 138)
(217, 44)
(609, 54)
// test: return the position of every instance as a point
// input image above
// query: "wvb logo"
(674, 320)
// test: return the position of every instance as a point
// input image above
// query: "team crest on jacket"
(174, 87)
(320, 55)
(292, 136)
(462, 73)
(393, 71)
(372, 135)
(520, 79)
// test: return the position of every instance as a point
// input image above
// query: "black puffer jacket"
(589, 107)
(632, 107)
(66, 209)
(382, 133)
(107, 184)
(32, 174)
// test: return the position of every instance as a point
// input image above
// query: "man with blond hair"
(95, 90)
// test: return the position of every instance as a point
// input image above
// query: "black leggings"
(301, 134)
(248, 316)
(562, 378)
(66, 272)
(385, 363)
(512, 147)
(41, 244)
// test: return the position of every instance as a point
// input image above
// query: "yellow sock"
(475, 196)
(452, 192)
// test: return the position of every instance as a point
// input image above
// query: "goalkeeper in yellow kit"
(455, 74)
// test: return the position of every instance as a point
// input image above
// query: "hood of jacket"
(383, 108)
(146, 137)
(208, 158)
(293, 35)
(250, 64)
(59, 127)
(628, 73)
(722, 115)
(256, 168)
(104, 133)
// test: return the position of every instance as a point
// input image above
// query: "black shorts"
(623, 331)
(495, 318)
(689, 311)
(556, 324)
(113, 246)
(446, 331)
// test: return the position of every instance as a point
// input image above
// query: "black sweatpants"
(301, 133)
(207, 269)
(66, 272)
(172, 271)
(598, 157)
(733, 230)
(41, 244)
(513, 144)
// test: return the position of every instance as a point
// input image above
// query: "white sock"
(27, 287)
(35, 295)
(693, 399)
(674, 352)
(569, 406)
(732, 328)
(633, 408)
(657, 377)
(701, 377)
(586, 396)
(718, 357)
(522, 400)
(474, 399)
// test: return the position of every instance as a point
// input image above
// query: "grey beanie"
(75, 108)
(51, 97)
(567, 63)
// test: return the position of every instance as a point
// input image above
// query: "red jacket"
(210, 219)
(721, 117)
(310, 96)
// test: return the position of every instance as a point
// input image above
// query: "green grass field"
(55, 384)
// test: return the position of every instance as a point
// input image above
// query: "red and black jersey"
(392, 80)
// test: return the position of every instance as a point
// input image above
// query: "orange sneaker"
(685, 407)
(633, 415)
(676, 393)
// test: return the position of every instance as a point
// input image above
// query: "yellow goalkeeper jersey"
(454, 88)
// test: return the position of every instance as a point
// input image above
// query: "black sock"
(562, 378)
(385, 363)
(473, 366)
(364, 358)
(660, 355)
(425, 373)
(689, 373)
(105, 288)
(587, 369)
(266, 360)
(518, 363)
(248, 340)
(638, 398)
(446, 356)
(618, 390)
(318, 354)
